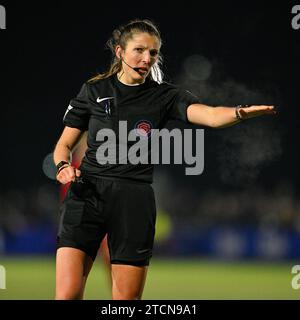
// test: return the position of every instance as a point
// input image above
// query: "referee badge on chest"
(143, 128)
(106, 104)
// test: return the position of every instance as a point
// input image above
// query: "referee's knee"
(133, 292)
(127, 295)
(67, 294)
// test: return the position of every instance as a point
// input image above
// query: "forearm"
(220, 117)
(215, 117)
(66, 144)
(61, 153)
(65, 173)
(224, 117)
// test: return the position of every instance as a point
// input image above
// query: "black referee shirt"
(103, 103)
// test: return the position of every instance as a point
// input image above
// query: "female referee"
(117, 198)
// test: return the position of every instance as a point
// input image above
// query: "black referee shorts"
(123, 209)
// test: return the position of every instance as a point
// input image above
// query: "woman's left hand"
(255, 111)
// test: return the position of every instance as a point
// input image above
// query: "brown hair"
(120, 36)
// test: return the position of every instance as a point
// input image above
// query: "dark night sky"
(49, 49)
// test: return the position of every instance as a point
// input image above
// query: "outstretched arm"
(219, 117)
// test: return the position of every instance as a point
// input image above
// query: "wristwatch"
(61, 164)
(237, 110)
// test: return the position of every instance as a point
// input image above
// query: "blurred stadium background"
(232, 232)
(197, 256)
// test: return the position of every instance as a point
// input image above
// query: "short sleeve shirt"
(108, 105)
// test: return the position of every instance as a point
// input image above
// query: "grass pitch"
(34, 278)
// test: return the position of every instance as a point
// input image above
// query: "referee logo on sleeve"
(69, 108)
